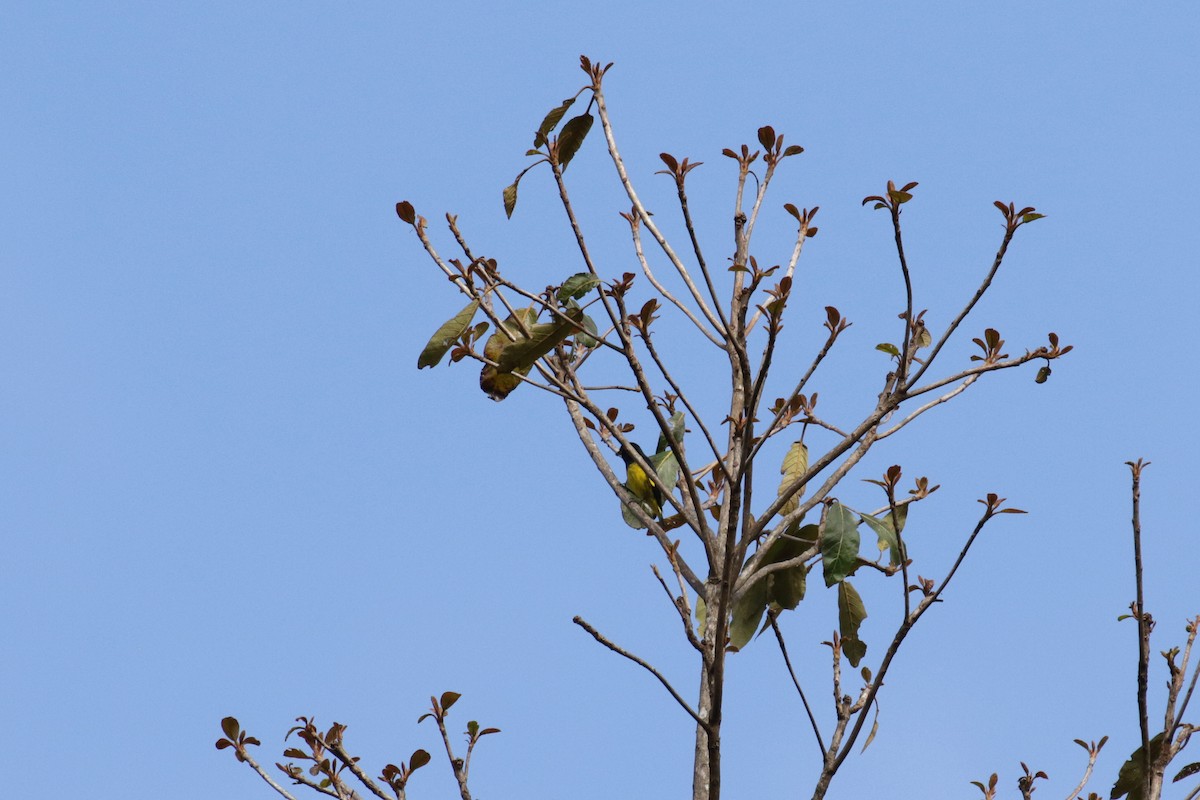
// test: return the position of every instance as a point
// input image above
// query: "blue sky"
(227, 490)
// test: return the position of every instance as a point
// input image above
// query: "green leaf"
(631, 517)
(510, 198)
(747, 613)
(701, 613)
(667, 468)
(1129, 779)
(887, 535)
(1031, 217)
(676, 425)
(592, 337)
(924, 338)
(839, 543)
(795, 464)
(786, 587)
(577, 286)
(889, 348)
(523, 353)
(899, 197)
(572, 136)
(445, 336)
(550, 122)
(851, 613)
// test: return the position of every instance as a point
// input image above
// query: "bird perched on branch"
(642, 486)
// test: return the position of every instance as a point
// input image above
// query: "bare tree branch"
(599, 637)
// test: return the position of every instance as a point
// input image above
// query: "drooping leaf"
(577, 286)
(889, 348)
(786, 586)
(1130, 777)
(510, 198)
(887, 535)
(498, 384)
(572, 136)
(854, 650)
(592, 337)
(445, 336)
(550, 121)
(523, 353)
(851, 613)
(839, 543)
(871, 735)
(795, 464)
(923, 338)
(747, 613)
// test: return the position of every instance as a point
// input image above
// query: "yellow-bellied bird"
(642, 486)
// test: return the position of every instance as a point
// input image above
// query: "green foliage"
(888, 540)
(1130, 780)
(851, 613)
(839, 543)
(447, 335)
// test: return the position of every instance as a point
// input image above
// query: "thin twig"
(771, 616)
(700, 260)
(1093, 753)
(675, 387)
(680, 606)
(962, 387)
(635, 227)
(983, 287)
(619, 163)
(599, 637)
(903, 630)
(1144, 626)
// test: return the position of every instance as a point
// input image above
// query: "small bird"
(641, 485)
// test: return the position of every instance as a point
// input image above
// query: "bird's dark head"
(627, 456)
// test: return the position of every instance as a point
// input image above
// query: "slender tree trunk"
(701, 775)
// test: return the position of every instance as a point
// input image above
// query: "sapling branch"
(678, 390)
(993, 508)
(680, 172)
(619, 164)
(635, 233)
(908, 348)
(1145, 625)
(953, 326)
